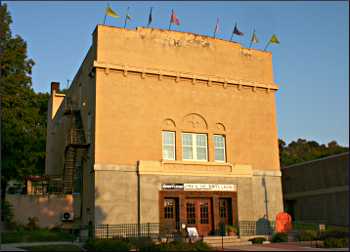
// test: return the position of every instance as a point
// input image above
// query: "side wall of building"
(81, 95)
(318, 191)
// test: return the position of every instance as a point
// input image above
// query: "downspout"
(138, 199)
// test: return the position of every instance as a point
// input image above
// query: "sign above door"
(200, 187)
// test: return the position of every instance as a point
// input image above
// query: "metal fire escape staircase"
(76, 148)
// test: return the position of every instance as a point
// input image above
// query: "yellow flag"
(274, 39)
(111, 13)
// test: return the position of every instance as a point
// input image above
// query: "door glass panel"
(204, 210)
(191, 213)
(169, 208)
(223, 207)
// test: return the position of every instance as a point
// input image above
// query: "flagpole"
(233, 32)
(150, 16)
(231, 37)
(104, 20)
(251, 40)
(216, 27)
(268, 43)
(171, 19)
(127, 12)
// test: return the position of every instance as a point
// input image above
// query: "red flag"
(174, 19)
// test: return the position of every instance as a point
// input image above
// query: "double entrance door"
(199, 214)
(204, 213)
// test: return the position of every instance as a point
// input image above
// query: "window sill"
(185, 162)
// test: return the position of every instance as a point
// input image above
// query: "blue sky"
(310, 65)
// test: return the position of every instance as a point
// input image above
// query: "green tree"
(303, 150)
(23, 115)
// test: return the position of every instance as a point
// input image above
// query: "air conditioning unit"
(67, 216)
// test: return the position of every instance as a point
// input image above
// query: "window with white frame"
(168, 145)
(194, 147)
(219, 148)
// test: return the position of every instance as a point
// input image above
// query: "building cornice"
(210, 79)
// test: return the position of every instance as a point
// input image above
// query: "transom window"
(168, 145)
(194, 147)
(219, 147)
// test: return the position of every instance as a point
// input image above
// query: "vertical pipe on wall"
(138, 198)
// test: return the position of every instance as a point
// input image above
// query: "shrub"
(307, 235)
(231, 228)
(201, 246)
(32, 223)
(333, 234)
(336, 242)
(257, 240)
(23, 235)
(7, 212)
(178, 246)
(141, 242)
(279, 237)
(107, 245)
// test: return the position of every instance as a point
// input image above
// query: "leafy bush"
(107, 245)
(23, 235)
(141, 242)
(32, 223)
(257, 240)
(7, 212)
(279, 237)
(178, 246)
(231, 228)
(201, 246)
(333, 234)
(336, 242)
(307, 235)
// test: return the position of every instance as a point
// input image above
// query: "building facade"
(167, 127)
(317, 191)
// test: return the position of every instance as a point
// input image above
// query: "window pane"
(219, 141)
(169, 205)
(204, 210)
(168, 137)
(168, 152)
(187, 139)
(191, 213)
(168, 145)
(219, 146)
(187, 152)
(201, 153)
(201, 140)
(219, 155)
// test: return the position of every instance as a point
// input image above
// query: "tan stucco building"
(167, 127)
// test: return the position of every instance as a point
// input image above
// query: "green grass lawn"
(37, 235)
(53, 248)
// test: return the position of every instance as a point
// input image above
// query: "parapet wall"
(182, 52)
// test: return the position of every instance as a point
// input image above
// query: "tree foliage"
(23, 112)
(303, 150)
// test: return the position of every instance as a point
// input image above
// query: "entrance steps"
(216, 241)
